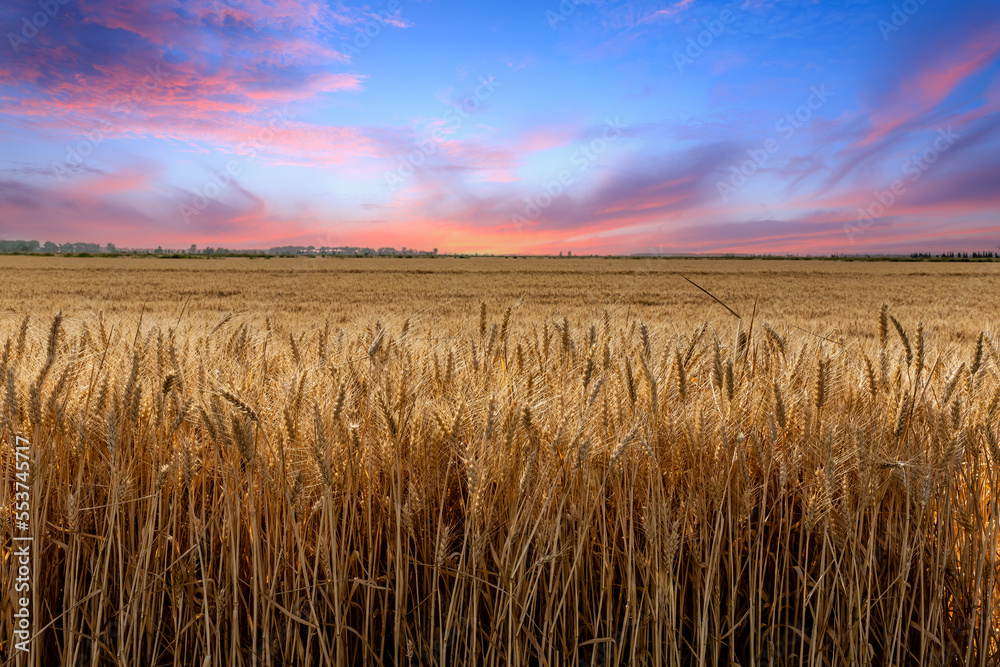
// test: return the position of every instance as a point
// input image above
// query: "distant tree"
(19, 246)
(80, 247)
(49, 246)
(193, 249)
(111, 248)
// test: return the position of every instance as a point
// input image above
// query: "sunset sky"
(529, 127)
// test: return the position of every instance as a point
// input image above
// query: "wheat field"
(504, 461)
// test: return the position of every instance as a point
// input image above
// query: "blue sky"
(607, 127)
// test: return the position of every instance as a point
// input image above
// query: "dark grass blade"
(735, 314)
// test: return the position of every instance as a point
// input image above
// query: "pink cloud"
(928, 87)
(209, 86)
(547, 137)
(132, 180)
(667, 12)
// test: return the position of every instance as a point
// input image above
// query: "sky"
(757, 126)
